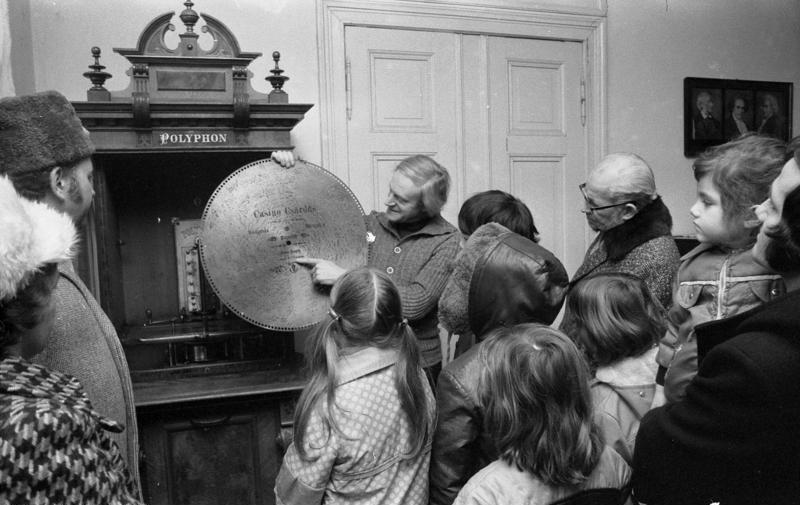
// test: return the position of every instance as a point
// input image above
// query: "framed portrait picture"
(718, 110)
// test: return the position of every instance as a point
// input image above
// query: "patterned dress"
(367, 465)
(54, 448)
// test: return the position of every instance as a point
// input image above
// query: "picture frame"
(718, 110)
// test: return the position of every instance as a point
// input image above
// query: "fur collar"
(653, 221)
(635, 371)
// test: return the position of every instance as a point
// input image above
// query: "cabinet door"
(215, 454)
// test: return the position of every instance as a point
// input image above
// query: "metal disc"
(263, 217)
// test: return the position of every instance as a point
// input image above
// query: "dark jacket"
(735, 438)
(514, 281)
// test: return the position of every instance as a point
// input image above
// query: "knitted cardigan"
(84, 344)
(419, 264)
(54, 448)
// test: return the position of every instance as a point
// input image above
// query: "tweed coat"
(54, 448)
(735, 438)
(84, 344)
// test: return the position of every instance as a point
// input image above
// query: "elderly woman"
(54, 448)
(413, 243)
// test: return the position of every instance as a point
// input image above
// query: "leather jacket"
(515, 281)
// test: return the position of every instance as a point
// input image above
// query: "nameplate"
(190, 81)
(191, 138)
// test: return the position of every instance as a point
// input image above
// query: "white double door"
(499, 112)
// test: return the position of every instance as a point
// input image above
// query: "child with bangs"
(617, 323)
(363, 426)
(719, 278)
(534, 390)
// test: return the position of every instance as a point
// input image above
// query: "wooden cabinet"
(217, 452)
(212, 391)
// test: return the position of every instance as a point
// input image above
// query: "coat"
(712, 284)
(504, 484)
(735, 438)
(622, 394)
(419, 264)
(514, 281)
(54, 447)
(84, 344)
(367, 465)
(642, 246)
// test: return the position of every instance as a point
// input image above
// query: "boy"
(719, 277)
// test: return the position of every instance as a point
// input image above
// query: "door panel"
(538, 146)
(403, 102)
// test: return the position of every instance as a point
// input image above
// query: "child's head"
(366, 309)
(365, 312)
(614, 316)
(731, 179)
(534, 389)
(495, 206)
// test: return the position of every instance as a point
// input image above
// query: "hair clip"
(336, 317)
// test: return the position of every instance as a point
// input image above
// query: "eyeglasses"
(588, 209)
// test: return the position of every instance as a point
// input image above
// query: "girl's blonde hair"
(534, 390)
(365, 312)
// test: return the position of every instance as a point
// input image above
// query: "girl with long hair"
(363, 425)
(534, 389)
(617, 323)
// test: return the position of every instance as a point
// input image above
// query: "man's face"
(766, 109)
(403, 204)
(738, 109)
(80, 191)
(595, 194)
(705, 104)
(770, 211)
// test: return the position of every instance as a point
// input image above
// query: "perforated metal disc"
(263, 217)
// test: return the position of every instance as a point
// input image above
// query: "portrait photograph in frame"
(718, 110)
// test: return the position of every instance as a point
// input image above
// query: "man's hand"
(283, 158)
(322, 271)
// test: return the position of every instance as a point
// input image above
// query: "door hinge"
(348, 89)
(583, 102)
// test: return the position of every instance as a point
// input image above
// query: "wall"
(651, 46)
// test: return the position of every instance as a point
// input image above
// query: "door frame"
(583, 22)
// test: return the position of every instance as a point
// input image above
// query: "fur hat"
(40, 131)
(33, 235)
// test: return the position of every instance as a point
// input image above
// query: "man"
(772, 122)
(634, 227)
(411, 242)
(735, 438)
(46, 152)
(735, 125)
(704, 124)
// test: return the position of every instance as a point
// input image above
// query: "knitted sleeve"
(421, 295)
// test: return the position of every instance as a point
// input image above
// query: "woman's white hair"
(628, 176)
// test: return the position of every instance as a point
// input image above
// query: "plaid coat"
(54, 448)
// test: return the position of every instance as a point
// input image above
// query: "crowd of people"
(669, 380)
